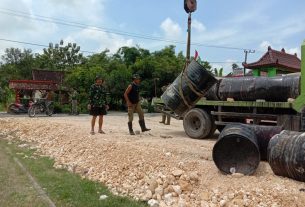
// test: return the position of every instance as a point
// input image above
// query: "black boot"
(131, 132)
(142, 125)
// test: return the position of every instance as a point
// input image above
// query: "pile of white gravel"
(162, 167)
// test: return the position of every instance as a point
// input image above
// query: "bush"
(2, 108)
(6, 97)
(146, 105)
(59, 108)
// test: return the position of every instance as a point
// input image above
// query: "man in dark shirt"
(132, 98)
(97, 104)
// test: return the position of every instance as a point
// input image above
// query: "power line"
(85, 51)
(41, 18)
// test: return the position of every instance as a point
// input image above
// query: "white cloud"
(199, 26)
(171, 28)
(103, 40)
(218, 36)
(293, 51)
(76, 10)
(264, 45)
(26, 28)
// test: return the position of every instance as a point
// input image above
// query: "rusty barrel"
(188, 88)
(237, 150)
(286, 155)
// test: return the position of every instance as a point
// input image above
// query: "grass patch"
(64, 188)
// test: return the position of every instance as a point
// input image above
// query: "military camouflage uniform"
(97, 100)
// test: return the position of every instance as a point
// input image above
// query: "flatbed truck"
(202, 120)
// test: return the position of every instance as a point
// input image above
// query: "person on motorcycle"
(48, 96)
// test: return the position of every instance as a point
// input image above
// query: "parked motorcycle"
(17, 108)
(40, 107)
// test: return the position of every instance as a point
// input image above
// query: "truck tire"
(197, 124)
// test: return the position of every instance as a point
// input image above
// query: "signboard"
(190, 5)
(32, 85)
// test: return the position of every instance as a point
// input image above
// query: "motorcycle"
(41, 106)
(18, 108)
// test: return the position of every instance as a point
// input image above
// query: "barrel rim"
(218, 144)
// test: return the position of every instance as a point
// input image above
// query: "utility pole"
(189, 7)
(188, 49)
(246, 58)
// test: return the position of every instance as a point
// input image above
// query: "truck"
(202, 120)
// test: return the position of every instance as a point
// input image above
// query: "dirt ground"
(162, 166)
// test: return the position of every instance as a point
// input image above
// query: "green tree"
(101, 59)
(61, 57)
(18, 64)
(235, 66)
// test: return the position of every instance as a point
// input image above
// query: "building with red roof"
(275, 62)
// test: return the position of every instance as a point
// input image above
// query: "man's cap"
(136, 76)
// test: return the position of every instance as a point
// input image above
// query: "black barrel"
(264, 135)
(237, 150)
(286, 155)
(254, 88)
(195, 82)
(212, 93)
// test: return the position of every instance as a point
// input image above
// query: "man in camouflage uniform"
(97, 104)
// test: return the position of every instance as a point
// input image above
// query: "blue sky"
(235, 23)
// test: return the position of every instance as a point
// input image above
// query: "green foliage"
(235, 66)
(6, 97)
(2, 108)
(218, 72)
(60, 57)
(17, 64)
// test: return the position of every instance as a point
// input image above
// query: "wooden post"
(17, 96)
